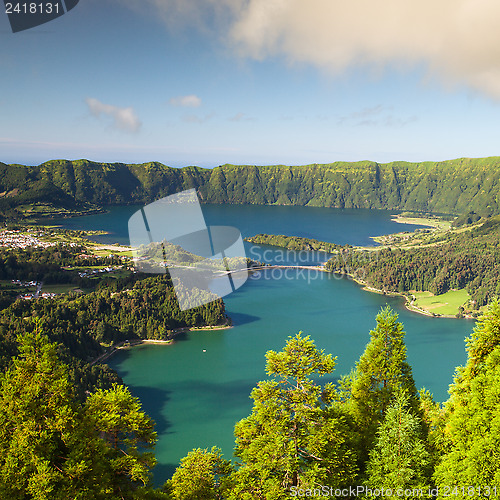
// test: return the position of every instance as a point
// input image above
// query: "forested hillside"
(470, 260)
(133, 308)
(454, 186)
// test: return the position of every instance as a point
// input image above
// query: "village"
(16, 238)
(34, 238)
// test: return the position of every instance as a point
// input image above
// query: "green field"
(104, 252)
(436, 222)
(446, 303)
(8, 285)
(59, 288)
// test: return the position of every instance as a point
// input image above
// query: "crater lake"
(199, 387)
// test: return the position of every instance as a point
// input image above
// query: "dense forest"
(295, 243)
(133, 307)
(365, 432)
(54, 446)
(470, 260)
(453, 187)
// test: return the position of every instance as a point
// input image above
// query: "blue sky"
(208, 82)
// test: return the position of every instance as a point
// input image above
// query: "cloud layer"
(122, 118)
(189, 101)
(456, 40)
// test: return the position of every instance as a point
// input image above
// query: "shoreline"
(129, 344)
(408, 303)
(367, 288)
(114, 248)
(54, 215)
(284, 266)
(436, 223)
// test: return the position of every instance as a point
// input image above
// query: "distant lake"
(196, 397)
(341, 226)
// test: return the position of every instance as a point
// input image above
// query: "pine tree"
(52, 446)
(484, 339)
(129, 433)
(199, 476)
(473, 412)
(433, 425)
(296, 435)
(381, 373)
(400, 458)
(47, 449)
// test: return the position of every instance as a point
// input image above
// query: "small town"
(18, 239)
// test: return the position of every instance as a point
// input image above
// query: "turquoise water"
(199, 387)
(196, 397)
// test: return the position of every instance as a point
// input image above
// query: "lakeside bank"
(128, 344)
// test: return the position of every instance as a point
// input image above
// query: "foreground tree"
(129, 433)
(50, 444)
(400, 458)
(473, 413)
(433, 425)
(296, 434)
(200, 476)
(381, 373)
(46, 450)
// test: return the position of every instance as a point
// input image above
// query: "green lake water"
(199, 387)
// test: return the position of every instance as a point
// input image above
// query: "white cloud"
(457, 40)
(123, 118)
(362, 117)
(188, 101)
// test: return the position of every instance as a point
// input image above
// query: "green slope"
(456, 260)
(454, 186)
